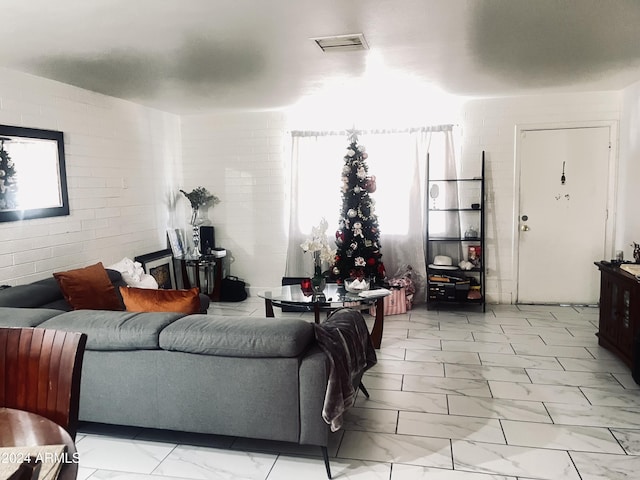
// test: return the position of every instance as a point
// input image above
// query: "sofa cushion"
(29, 296)
(61, 304)
(88, 288)
(238, 336)
(146, 300)
(25, 317)
(109, 330)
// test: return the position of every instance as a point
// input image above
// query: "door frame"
(612, 186)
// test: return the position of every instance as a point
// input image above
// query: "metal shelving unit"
(451, 201)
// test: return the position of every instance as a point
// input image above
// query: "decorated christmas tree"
(357, 238)
(8, 179)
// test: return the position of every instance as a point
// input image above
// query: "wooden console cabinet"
(619, 311)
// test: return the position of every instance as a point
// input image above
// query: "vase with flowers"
(199, 197)
(318, 244)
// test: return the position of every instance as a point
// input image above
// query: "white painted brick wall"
(490, 125)
(106, 141)
(240, 158)
(627, 218)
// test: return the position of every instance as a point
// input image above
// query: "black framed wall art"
(33, 179)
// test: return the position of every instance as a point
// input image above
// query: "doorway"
(562, 215)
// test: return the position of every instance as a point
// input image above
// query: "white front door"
(562, 214)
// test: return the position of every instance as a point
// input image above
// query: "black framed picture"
(33, 179)
(160, 266)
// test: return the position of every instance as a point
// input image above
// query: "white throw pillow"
(133, 274)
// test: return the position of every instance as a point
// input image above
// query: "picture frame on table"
(176, 242)
(160, 266)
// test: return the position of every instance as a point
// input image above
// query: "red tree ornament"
(370, 184)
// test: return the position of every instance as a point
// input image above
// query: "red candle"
(305, 285)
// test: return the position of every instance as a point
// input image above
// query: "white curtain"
(316, 163)
(398, 161)
(448, 222)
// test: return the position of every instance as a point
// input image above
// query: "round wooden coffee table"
(24, 429)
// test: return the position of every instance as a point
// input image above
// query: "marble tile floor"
(515, 393)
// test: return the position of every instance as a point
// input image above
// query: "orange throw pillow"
(88, 288)
(148, 300)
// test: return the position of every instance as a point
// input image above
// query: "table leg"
(217, 280)
(316, 312)
(186, 284)
(206, 280)
(197, 275)
(376, 332)
(268, 307)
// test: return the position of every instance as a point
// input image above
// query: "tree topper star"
(352, 135)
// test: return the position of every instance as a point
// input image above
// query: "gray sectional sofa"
(250, 377)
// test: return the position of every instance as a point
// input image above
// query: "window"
(391, 160)
(397, 160)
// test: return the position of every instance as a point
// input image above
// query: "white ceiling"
(189, 56)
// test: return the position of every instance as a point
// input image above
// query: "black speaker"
(207, 239)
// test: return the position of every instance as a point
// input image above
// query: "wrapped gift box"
(394, 304)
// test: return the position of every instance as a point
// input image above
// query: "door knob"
(524, 228)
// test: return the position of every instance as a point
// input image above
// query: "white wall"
(628, 218)
(490, 125)
(240, 157)
(121, 161)
(243, 159)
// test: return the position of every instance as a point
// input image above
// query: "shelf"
(475, 301)
(456, 303)
(457, 270)
(455, 180)
(455, 209)
(467, 192)
(454, 239)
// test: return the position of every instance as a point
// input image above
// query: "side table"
(19, 428)
(619, 313)
(205, 264)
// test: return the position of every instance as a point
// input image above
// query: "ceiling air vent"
(342, 43)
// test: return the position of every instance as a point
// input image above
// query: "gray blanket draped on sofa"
(346, 341)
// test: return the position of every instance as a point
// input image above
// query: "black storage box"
(462, 290)
(442, 291)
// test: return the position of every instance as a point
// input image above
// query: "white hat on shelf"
(443, 262)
